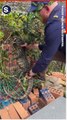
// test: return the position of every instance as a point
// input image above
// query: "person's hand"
(24, 45)
(35, 45)
(30, 75)
(30, 46)
(42, 74)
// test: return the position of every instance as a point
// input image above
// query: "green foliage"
(28, 26)
(56, 66)
(1, 35)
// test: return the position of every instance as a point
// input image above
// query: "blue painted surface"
(44, 92)
(6, 102)
(23, 101)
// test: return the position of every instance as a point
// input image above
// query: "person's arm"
(53, 41)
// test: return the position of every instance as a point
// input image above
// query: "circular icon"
(6, 9)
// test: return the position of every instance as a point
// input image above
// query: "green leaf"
(1, 35)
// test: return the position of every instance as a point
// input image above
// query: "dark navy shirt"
(53, 39)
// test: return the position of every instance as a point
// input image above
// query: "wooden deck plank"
(20, 110)
(12, 112)
(4, 114)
